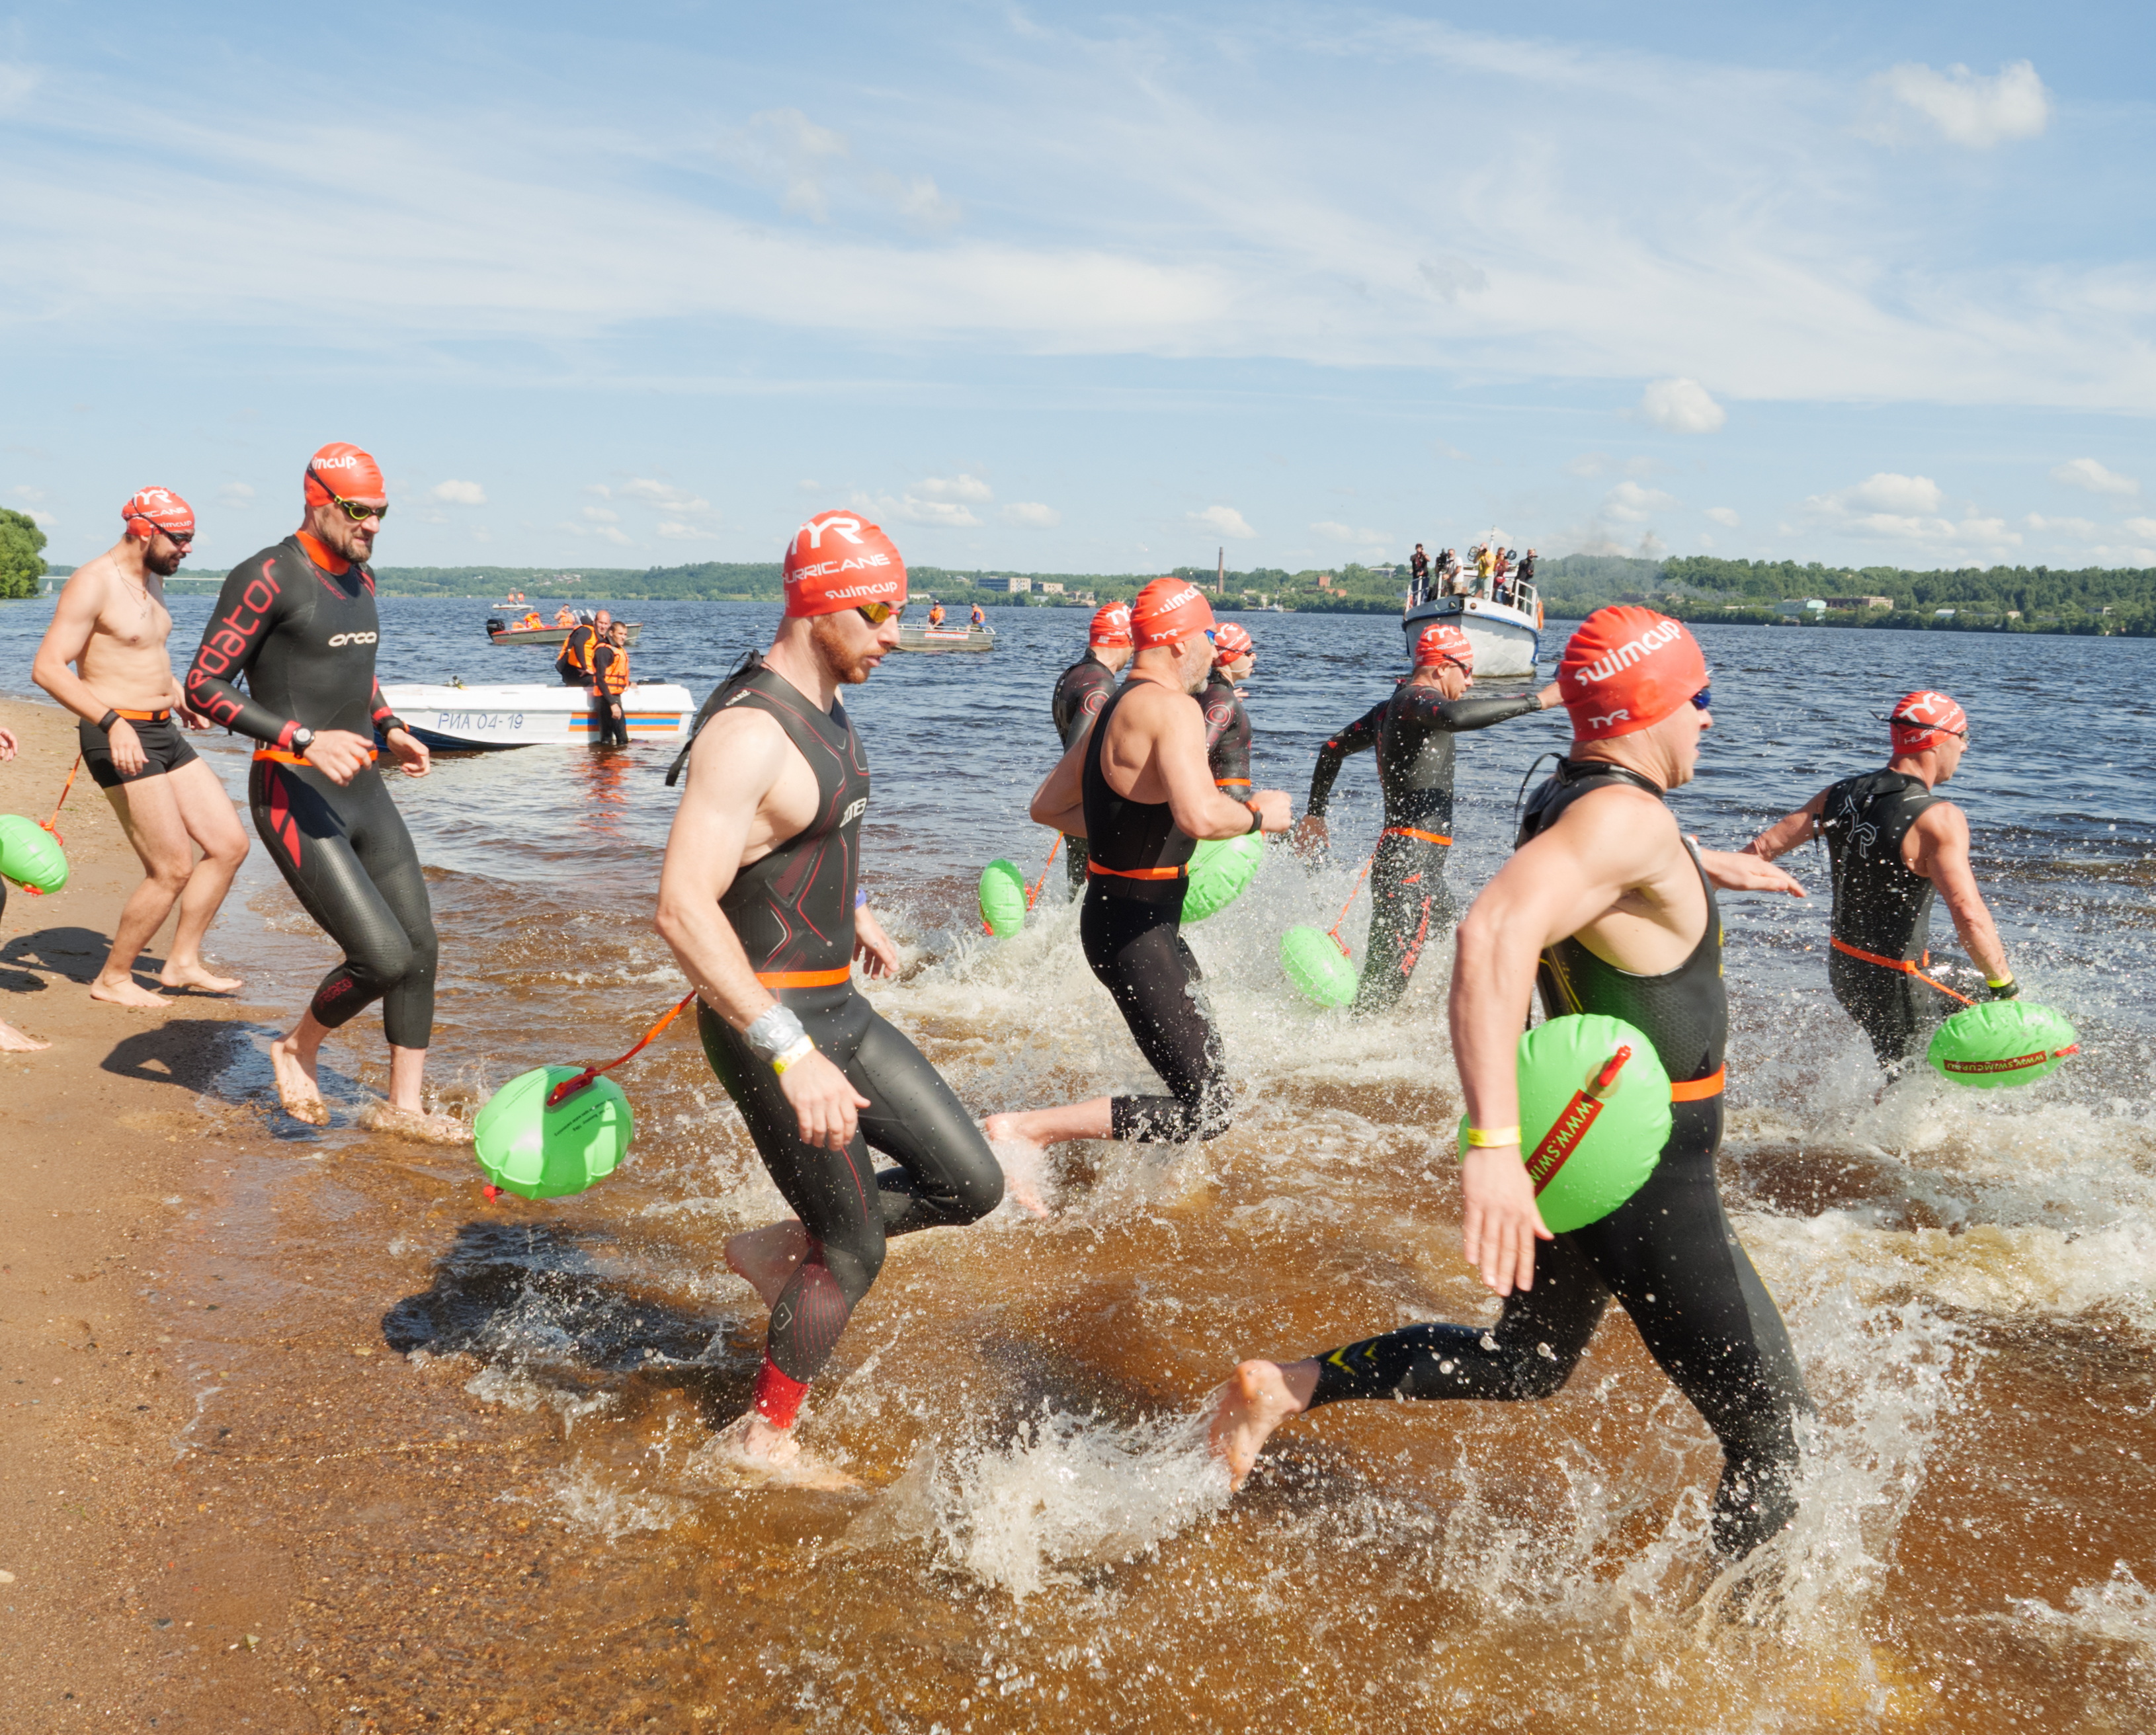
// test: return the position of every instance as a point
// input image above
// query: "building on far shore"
(1014, 585)
(1860, 602)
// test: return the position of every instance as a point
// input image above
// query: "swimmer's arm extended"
(1737, 870)
(1937, 847)
(1359, 736)
(1785, 834)
(1459, 715)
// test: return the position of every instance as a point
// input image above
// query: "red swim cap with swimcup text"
(839, 560)
(345, 471)
(1231, 639)
(1921, 721)
(156, 509)
(1111, 627)
(1443, 642)
(1169, 609)
(1625, 669)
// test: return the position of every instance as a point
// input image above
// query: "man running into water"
(12, 1041)
(1412, 731)
(297, 622)
(1227, 723)
(111, 624)
(1891, 843)
(758, 898)
(1137, 787)
(1613, 911)
(1080, 691)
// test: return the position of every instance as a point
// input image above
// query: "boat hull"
(1506, 639)
(947, 638)
(549, 635)
(488, 718)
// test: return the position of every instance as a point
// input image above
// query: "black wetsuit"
(164, 750)
(1410, 902)
(1668, 1254)
(1080, 691)
(303, 635)
(1880, 907)
(609, 710)
(1130, 930)
(1227, 734)
(794, 913)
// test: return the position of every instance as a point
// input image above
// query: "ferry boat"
(500, 632)
(467, 719)
(1507, 636)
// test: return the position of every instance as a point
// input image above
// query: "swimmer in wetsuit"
(759, 900)
(297, 622)
(1137, 787)
(110, 623)
(1227, 723)
(1080, 691)
(1608, 908)
(1892, 843)
(1412, 731)
(12, 1040)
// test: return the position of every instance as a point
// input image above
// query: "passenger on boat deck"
(565, 616)
(979, 617)
(935, 614)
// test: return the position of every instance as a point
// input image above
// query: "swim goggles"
(1703, 700)
(352, 509)
(874, 613)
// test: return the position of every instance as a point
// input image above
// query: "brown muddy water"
(480, 1479)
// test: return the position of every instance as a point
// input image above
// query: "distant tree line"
(21, 554)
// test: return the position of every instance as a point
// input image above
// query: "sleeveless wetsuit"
(793, 912)
(1880, 907)
(1080, 691)
(1668, 1254)
(1227, 736)
(1409, 901)
(300, 626)
(1129, 926)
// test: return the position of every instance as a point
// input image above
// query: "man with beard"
(110, 623)
(759, 898)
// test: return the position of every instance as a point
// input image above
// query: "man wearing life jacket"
(574, 663)
(531, 622)
(1080, 691)
(979, 617)
(1136, 786)
(609, 686)
(1227, 723)
(565, 616)
(1608, 907)
(760, 900)
(1891, 843)
(935, 614)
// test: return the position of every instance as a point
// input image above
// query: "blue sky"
(1075, 290)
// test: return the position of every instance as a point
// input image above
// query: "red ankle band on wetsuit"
(777, 1396)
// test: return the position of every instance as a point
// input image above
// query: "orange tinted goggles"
(876, 613)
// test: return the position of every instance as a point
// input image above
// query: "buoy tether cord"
(53, 825)
(1045, 867)
(569, 1086)
(1333, 933)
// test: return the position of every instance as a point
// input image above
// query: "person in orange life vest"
(935, 614)
(609, 686)
(1891, 845)
(574, 663)
(979, 617)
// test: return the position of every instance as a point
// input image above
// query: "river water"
(1037, 1543)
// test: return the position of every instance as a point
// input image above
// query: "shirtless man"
(111, 624)
(12, 1040)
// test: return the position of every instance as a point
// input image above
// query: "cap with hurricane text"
(839, 560)
(1924, 719)
(1442, 642)
(1625, 669)
(1231, 639)
(1112, 626)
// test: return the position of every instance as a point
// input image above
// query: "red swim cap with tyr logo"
(1231, 639)
(345, 471)
(1169, 609)
(1112, 626)
(156, 509)
(1922, 719)
(1626, 669)
(838, 561)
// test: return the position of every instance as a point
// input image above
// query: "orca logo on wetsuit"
(339, 639)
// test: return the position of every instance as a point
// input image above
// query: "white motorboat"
(1507, 636)
(487, 718)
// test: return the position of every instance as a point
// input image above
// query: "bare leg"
(213, 824)
(151, 818)
(766, 1258)
(294, 1058)
(1258, 1396)
(404, 1113)
(1034, 1130)
(12, 1041)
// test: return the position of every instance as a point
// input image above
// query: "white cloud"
(602, 515)
(935, 514)
(236, 496)
(25, 491)
(1884, 491)
(810, 162)
(16, 82)
(1364, 538)
(43, 521)
(808, 486)
(1226, 520)
(600, 489)
(2071, 526)
(2144, 528)
(1681, 406)
(1967, 109)
(675, 532)
(1725, 515)
(1891, 507)
(1453, 277)
(454, 493)
(604, 533)
(1032, 515)
(959, 487)
(2088, 473)
(1628, 501)
(664, 496)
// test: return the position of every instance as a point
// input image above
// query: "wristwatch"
(302, 738)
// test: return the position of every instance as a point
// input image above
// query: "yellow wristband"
(800, 1051)
(2001, 983)
(1492, 1138)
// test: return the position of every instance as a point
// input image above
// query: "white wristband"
(800, 1051)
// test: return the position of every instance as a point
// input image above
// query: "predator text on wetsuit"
(1668, 1255)
(297, 624)
(1880, 908)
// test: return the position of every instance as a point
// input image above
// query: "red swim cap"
(1169, 609)
(839, 560)
(1626, 669)
(1112, 626)
(345, 471)
(1922, 719)
(156, 509)
(1443, 642)
(1230, 640)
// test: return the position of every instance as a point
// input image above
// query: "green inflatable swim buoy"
(2002, 1044)
(1002, 899)
(1220, 868)
(540, 1153)
(1594, 1114)
(1314, 962)
(30, 856)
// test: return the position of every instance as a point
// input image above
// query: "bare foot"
(1245, 1411)
(751, 1446)
(296, 1088)
(378, 1116)
(766, 1258)
(1024, 1165)
(12, 1041)
(125, 991)
(197, 975)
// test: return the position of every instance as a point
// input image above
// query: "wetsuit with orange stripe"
(1882, 911)
(1227, 734)
(1410, 904)
(1080, 691)
(794, 913)
(297, 624)
(1667, 1254)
